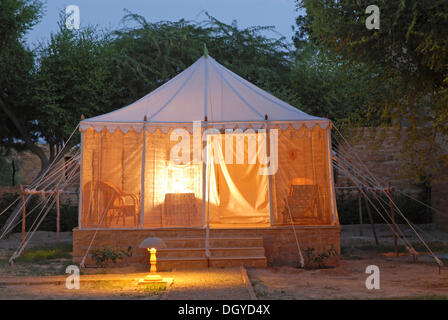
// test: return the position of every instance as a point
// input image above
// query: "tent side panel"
(173, 190)
(301, 184)
(111, 176)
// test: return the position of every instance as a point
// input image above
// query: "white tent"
(129, 181)
(205, 89)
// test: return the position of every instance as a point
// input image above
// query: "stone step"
(249, 262)
(180, 253)
(237, 252)
(215, 252)
(227, 249)
(215, 242)
(168, 264)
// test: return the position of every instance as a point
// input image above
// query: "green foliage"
(42, 254)
(318, 260)
(74, 78)
(103, 256)
(327, 86)
(17, 17)
(407, 57)
(149, 54)
(16, 68)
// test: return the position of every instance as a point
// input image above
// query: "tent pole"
(331, 176)
(204, 171)
(268, 158)
(142, 191)
(80, 179)
(205, 194)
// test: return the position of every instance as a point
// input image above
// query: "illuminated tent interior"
(223, 129)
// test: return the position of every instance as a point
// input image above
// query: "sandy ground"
(216, 284)
(400, 277)
(99, 288)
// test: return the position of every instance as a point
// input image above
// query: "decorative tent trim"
(166, 127)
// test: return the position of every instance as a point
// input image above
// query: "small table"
(179, 209)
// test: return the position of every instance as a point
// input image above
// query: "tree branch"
(28, 142)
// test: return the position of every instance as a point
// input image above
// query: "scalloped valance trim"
(166, 127)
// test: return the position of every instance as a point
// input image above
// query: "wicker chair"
(118, 204)
(303, 203)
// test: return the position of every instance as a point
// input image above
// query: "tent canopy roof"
(206, 89)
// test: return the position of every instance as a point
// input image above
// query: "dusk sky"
(108, 13)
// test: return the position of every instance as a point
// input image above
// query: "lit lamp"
(152, 244)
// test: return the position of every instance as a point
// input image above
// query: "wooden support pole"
(23, 217)
(360, 214)
(392, 215)
(58, 215)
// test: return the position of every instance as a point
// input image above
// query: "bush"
(102, 257)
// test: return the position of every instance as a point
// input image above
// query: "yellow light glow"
(179, 179)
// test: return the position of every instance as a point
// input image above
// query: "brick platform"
(228, 246)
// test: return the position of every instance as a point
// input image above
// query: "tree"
(327, 86)
(409, 53)
(16, 73)
(47, 91)
(74, 78)
(149, 54)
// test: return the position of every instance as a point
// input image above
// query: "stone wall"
(6, 190)
(439, 199)
(379, 151)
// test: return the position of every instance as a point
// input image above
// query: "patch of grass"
(129, 286)
(154, 288)
(59, 251)
(108, 284)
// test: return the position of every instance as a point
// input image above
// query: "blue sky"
(108, 13)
